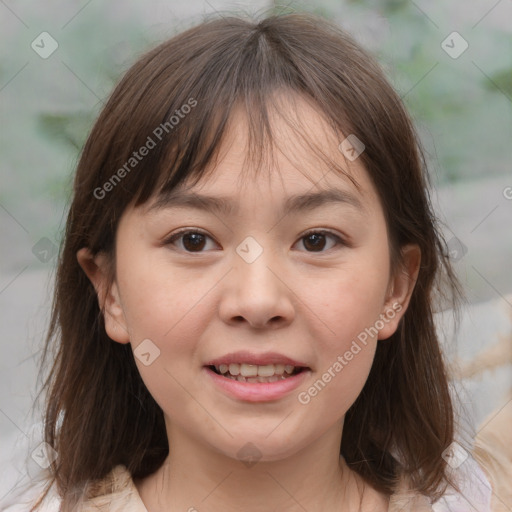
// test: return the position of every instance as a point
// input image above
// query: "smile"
(256, 373)
(257, 388)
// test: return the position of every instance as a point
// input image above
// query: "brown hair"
(98, 410)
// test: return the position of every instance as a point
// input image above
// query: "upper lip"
(257, 359)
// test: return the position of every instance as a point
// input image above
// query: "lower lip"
(258, 391)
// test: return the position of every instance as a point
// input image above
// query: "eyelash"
(179, 234)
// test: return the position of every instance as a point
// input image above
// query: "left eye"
(195, 241)
(316, 240)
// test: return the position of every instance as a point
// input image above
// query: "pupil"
(316, 239)
(197, 241)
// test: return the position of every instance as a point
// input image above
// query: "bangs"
(195, 153)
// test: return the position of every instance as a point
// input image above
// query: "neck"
(196, 477)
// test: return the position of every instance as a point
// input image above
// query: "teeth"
(254, 373)
(249, 370)
(234, 369)
(241, 378)
(279, 369)
(266, 371)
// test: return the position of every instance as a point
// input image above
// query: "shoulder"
(493, 451)
(475, 493)
(114, 493)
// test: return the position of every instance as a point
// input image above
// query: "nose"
(257, 293)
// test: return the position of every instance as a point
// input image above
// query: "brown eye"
(191, 240)
(315, 241)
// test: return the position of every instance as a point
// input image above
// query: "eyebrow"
(227, 206)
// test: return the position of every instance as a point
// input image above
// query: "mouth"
(252, 373)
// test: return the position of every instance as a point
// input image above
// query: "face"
(275, 279)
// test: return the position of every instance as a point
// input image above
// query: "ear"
(400, 288)
(108, 296)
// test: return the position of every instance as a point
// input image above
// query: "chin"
(251, 449)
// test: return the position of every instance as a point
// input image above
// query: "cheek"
(352, 299)
(169, 307)
(349, 306)
(337, 382)
(159, 300)
(172, 321)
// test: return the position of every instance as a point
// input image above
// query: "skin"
(307, 304)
